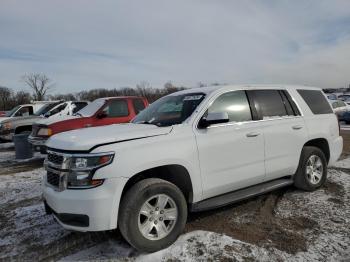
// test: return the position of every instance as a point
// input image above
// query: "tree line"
(40, 85)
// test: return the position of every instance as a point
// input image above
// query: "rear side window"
(269, 104)
(316, 101)
(235, 104)
(138, 105)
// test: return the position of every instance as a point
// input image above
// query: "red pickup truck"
(102, 111)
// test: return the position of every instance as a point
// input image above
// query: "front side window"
(117, 108)
(269, 103)
(170, 110)
(235, 104)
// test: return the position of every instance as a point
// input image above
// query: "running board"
(241, 194)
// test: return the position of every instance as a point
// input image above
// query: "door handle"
(252, 134)
(88, 125)
(297, 127)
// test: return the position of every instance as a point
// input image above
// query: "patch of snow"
(28, 226)
(20, 186)
(8, 145)
(7, 156)
(10, 157)
(345, 127)
(345, 163)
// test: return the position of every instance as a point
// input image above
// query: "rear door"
(284, 131)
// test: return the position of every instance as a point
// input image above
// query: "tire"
(130, 221)
(306, 177)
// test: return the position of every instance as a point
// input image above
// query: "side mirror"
(101, 115)
(213, 118)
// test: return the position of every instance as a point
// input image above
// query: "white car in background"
(339, 106)
(68, 108)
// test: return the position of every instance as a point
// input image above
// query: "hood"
(85, 139)
(54, 119)
(22, 119)
(3, 118)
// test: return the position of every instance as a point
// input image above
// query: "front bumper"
(6, 134)
(99, 204)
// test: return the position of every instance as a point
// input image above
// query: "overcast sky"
(94, 44)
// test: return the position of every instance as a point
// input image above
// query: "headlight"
(44, 132)
(83, 167)
(91, 162)
(7, 126)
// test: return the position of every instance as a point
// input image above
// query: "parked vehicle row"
(21, 118)
(102, 111)
(341, 109)
(192, 150)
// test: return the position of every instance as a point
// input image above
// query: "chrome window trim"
(201, 113)
(253, 121)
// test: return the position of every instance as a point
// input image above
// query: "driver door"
(231, 155)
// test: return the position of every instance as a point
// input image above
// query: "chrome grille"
(53, 179)
(55, 159)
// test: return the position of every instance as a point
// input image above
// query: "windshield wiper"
(78, 114)
(146, 123)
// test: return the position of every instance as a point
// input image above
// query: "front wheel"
(152, 214)
(312, 170)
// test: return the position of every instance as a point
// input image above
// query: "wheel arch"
(322, 144)
(20, 129)
(173, 173)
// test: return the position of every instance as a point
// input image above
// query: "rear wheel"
(152, 214)
(312, 170)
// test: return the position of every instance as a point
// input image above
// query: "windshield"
(10, 113)
(170, 110)
(45, 108)
(91, 108)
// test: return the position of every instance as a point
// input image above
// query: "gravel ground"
(285, 225)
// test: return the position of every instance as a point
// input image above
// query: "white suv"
(189, 151)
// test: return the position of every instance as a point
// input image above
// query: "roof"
(123, 97)
(209, 89)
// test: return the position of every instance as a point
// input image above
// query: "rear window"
(316, 101)
(79, 106)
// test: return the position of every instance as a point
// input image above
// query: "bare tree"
(5, 96)
(39, 83)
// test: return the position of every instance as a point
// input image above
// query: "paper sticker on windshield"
(196, 97)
